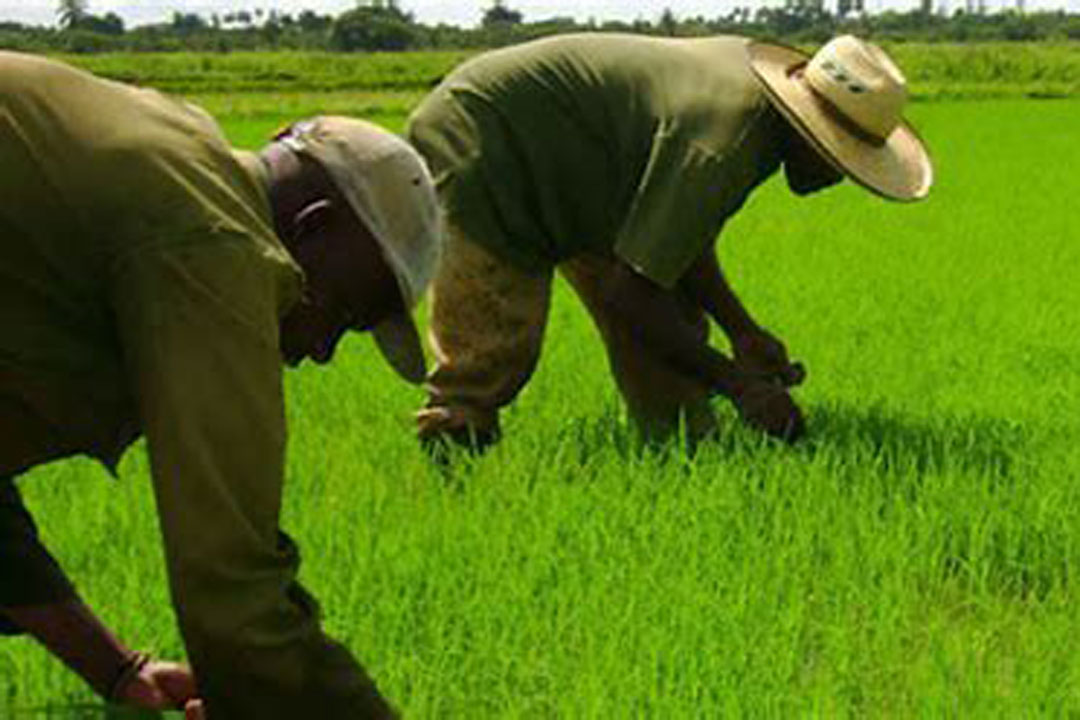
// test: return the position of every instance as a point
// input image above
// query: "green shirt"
(600, 142)
(141, 286)
(126, 218)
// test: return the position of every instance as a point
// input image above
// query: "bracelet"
(128, 671)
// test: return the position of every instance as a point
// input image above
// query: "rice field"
(935, 71)
(915, 557)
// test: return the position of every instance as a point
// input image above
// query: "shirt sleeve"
(677, 210)
(199, 328)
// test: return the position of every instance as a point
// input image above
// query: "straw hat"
(388, 186)
(847, 102)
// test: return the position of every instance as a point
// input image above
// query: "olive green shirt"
(600, 142)
(141, 286)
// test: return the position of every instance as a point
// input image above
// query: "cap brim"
(399, 343)
(898, 169)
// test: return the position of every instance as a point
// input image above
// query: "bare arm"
(72, 633)
(707, 284)
(37, 598)
(653, 316)
(756, 349)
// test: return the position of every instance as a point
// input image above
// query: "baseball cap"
(388, 186)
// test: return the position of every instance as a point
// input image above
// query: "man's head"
(356, 208)
(845, 103)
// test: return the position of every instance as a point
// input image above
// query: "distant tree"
(739, 15)
(74, 15)
(70, 13)
(78, 40)
(185, 24)
(272, 29)
(808, 11)
(668, 24)
(109, 24)
(309, 21)
(795, 18)
(378, 25)
(844, 8)
(500, 15)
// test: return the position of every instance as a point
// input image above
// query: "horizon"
(434, 12)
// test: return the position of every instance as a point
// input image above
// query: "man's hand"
(158, 686)
(766, 406)
(763, 356)
(71, 632)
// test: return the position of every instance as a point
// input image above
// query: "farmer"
(617, 159)
(151, 281)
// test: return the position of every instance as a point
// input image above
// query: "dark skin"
(807, 170)
(756, 379)
(72, 632)
(348, 286)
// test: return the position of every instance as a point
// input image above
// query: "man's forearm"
(37, 598)
(71, 632)
(724, 376)
(29, 575)
(657, 322)
(707, 284)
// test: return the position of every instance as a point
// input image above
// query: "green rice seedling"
(914, 557)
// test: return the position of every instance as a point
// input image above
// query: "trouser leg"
(487, 327)
(659, 398)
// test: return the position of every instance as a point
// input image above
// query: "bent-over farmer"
(617, 160)
(152, 280)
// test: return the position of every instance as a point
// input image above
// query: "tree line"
(382, 25)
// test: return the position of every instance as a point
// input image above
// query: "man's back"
(96, 175)
(583, 139)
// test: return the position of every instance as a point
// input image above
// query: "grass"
(936, 71)
(190, 73)
(915, 557)
(985, 70)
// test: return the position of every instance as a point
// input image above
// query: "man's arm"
(72, 633)
(756, 349)
(653, 316)
(36, 598)
(707, 284)
(199, 330)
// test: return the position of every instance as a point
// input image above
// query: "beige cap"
(847, 102)
(387, 184)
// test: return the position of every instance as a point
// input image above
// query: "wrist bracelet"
(128, 671)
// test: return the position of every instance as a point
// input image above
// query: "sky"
(456, 12)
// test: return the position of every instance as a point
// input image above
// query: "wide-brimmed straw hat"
(387, 184)
(847, 101)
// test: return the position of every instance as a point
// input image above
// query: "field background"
(915, 557)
